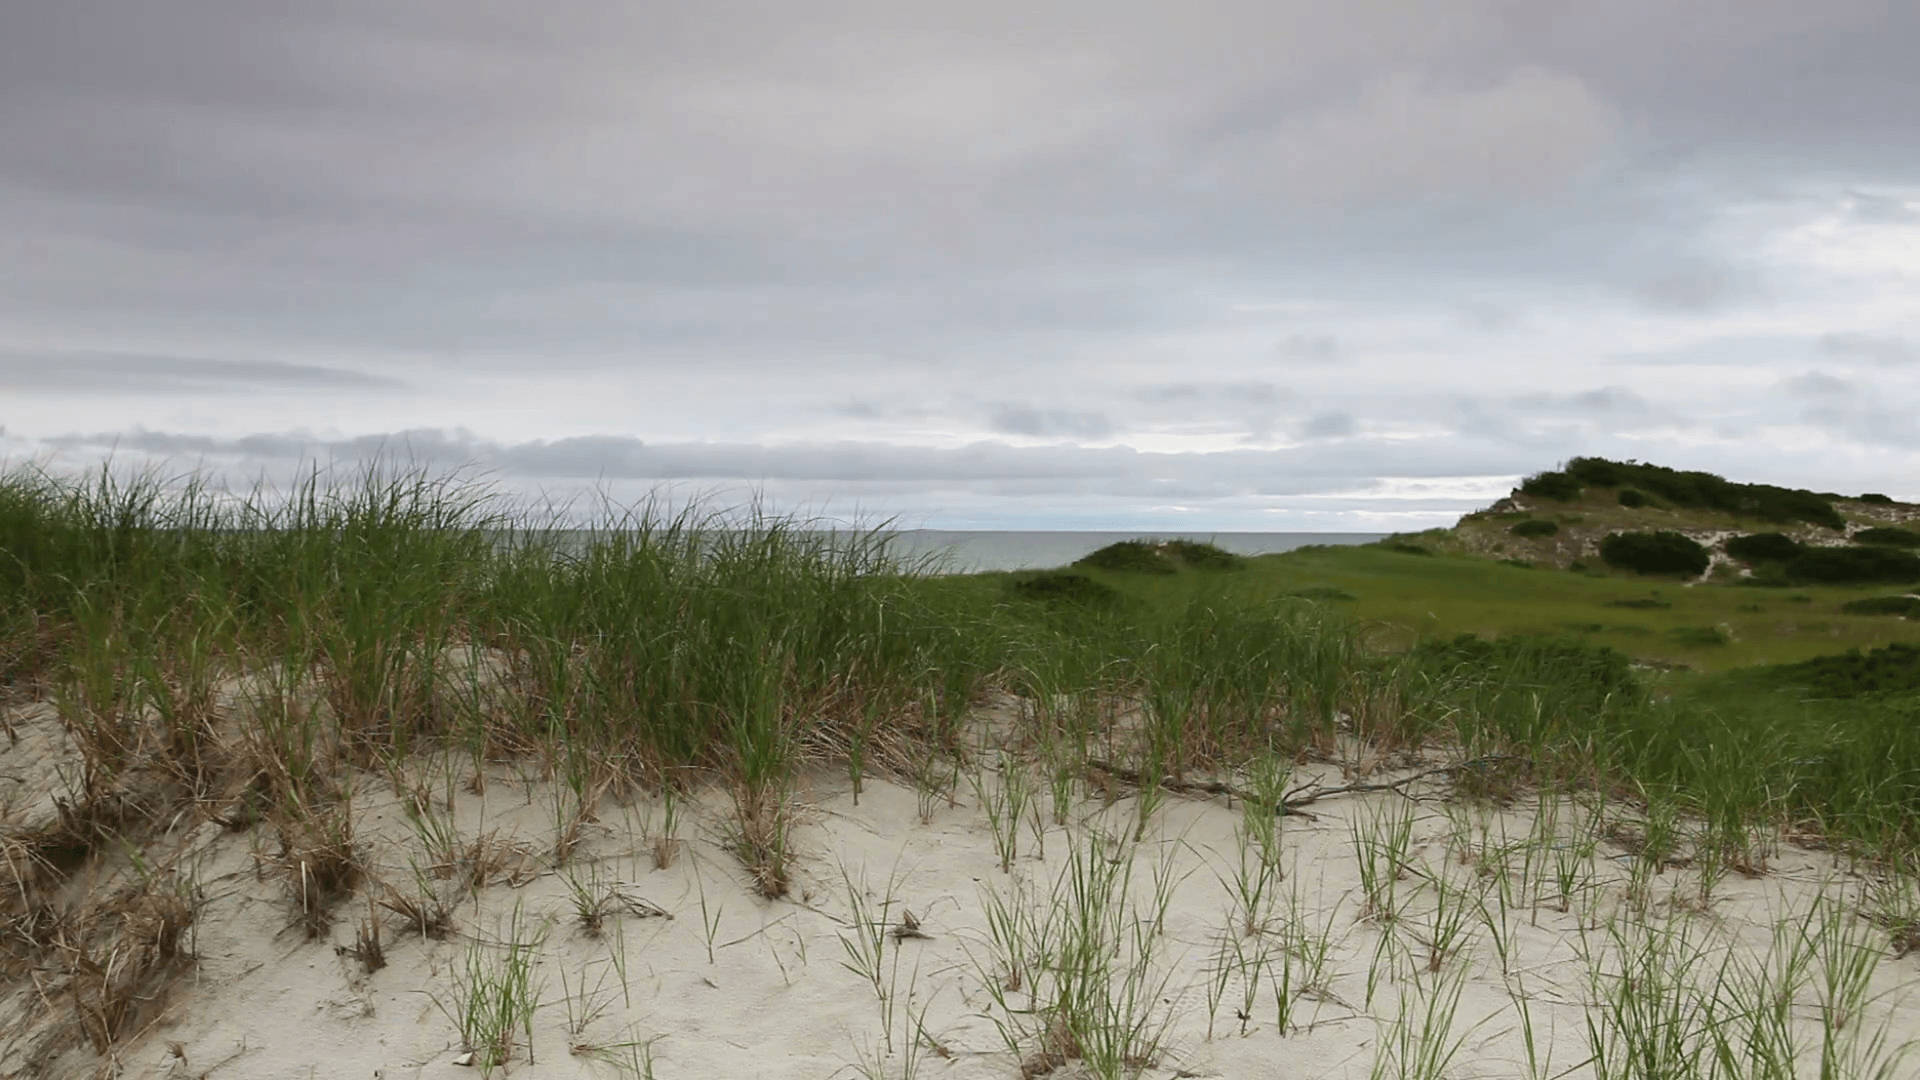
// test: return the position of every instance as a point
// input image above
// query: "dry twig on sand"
(1300, 797)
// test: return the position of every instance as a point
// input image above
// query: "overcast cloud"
(1219, 265)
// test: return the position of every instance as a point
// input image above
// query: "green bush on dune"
(1128, 557)
(1702, 490)
(1888, 536)
(1634, 498)
(1551, 485)
(1161, 557)
(1663, 552)
(1203, 556)
(1534, 527)
(1762, 547)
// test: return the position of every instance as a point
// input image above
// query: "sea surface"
(965, 552)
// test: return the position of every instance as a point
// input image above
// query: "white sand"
(775, 1000)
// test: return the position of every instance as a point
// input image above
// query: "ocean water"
(964, 552)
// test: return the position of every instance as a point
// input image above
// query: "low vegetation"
(1763, 547)
(264, 666)
(1534, 528)
(1856, 564)
(1686, 489)
(1908, 606)
(1129, 557)
(1161, 557)
(1063, 587)
(1890, 669)
(1888, 536)
(1663, 552)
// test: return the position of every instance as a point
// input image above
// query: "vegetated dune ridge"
(1413, 931)
(340, 783)
(1570, 511)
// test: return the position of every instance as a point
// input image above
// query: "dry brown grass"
(107, 959)
(318, 859)
(367, 946)
(761, 838)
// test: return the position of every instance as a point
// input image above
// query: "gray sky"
(1224, 264)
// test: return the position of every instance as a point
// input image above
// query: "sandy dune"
(692, 974)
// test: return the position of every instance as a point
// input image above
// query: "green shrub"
(1762, 547)
(1888, 536)
(1707, 491)
(1203, 556)
(1664, 552)
(1838, 564)
(1891, 668)
(1405, 547)
(1064, 587)
(1129, 557)
(1533, 527)
(1648, 603)
(1634, 498)
(1884, 605)
(1557, 486)
(1876, 497)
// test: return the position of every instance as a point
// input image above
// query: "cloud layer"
(1235, 262)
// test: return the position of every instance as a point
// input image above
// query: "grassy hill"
(1559, 518)
(1532, 564)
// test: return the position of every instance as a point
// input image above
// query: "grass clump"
(1699, 635)
(1534, 527)
(1908, 606)
(495, 995)
(1641, 603)
(1888, 536)
(1081, 976)
(1064, 588)
(1663, 552)
(1200, 555)
(1324, 594)
(1129, 557)
(1836, 565)
(1890, 669)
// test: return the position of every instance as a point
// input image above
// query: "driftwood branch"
(1293, 802)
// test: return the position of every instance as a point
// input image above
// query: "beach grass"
(253, 660)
